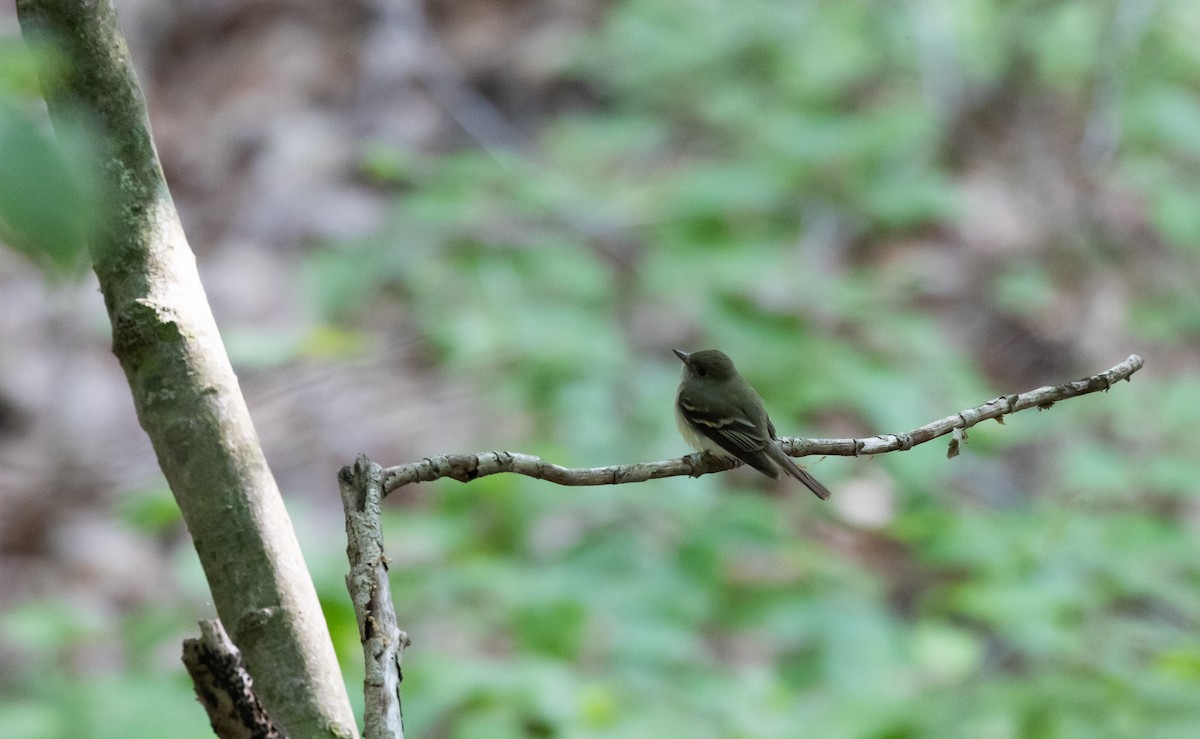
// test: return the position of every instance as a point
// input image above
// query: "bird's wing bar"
(733, 432)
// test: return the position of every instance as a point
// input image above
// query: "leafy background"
(883, 212)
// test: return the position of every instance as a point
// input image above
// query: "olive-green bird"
(717, 411)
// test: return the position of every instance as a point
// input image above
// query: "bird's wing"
(733, 431)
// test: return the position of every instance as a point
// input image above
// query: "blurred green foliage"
(50, 186)
(997, 605)
(992, 604)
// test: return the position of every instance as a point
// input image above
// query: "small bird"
(717, 411)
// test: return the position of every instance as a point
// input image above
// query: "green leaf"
(50, 196)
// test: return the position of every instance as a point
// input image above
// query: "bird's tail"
(787, 465)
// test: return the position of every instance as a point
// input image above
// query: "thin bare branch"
(467, 467)
(383, 641)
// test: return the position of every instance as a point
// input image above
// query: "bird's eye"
(701, 371)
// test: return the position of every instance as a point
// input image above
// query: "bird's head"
(707, 365)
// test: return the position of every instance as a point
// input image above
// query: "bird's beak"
(683, 356)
